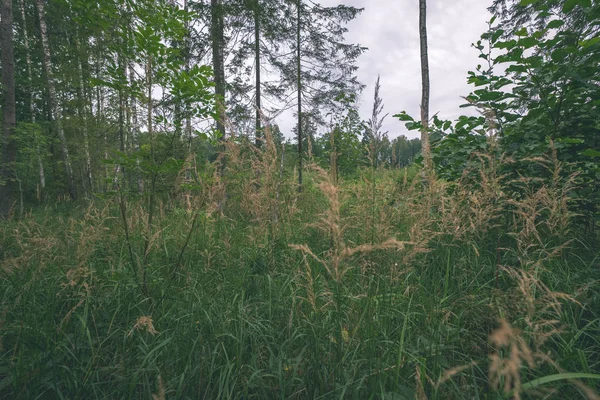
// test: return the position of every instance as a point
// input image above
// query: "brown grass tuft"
(144, 322)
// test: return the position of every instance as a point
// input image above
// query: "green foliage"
(542, 102)
(348, 149)
(232, 311)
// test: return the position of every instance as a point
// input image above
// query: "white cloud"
(390, 29)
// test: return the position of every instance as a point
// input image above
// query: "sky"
(390, 30)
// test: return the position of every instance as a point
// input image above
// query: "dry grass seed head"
(161, 390)
(508, 369)
(144, 322)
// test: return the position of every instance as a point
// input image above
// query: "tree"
(9, 117)
(541, 105)
(53, 106)
(299, 88)
(426, 150)
(341, 145)
(31, 90)
(257, 68)
(218, 60)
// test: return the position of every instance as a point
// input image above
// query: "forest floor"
(241, 287)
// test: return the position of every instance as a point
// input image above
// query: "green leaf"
(571, 140)
(524, 3)
(555, 24)
(496, 35)
(506, 45)
(522, 32)
(412, 126)
(517, 68)
(571, 4)
(528, 42)
(590, 42)
(590, 153)
(558, 377)
(403, 116)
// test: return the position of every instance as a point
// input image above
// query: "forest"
(163, 237)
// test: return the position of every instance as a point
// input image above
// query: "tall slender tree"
(299, 85)
(188, 57)
(425, 146)
(41, 170)
(328, 63)
(84, 117)
(9, 114)
(218, 60)
(53, 106)
(257, 68)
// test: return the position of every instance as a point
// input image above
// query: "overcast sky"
(390, 29)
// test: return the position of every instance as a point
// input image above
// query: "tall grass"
(374, 287)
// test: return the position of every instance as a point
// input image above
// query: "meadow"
(235, 285)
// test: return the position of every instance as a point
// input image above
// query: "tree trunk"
(119, 170)
(135, 141)
(9, 119)
(133, 104)
(188, 55)
(298, 45)
(426, 149)
(150, 103)
(84, 115)
(257, 55)
(31, 102)
(53, 100)
(217, 32)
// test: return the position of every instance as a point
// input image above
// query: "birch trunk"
(54, 108)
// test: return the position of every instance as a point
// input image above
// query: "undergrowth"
(235, 285)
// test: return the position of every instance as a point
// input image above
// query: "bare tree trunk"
(426, 148)
(217, 32)
(84, 115)
(52, 98)
(333, 156)
(298, 45)
(278, 189)
(118, 170)
(135, 126)
(188, 55)
(133, 112)
(257, 56)
(100, 114)
(9, 118)
(149, 94)
(31, 97)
